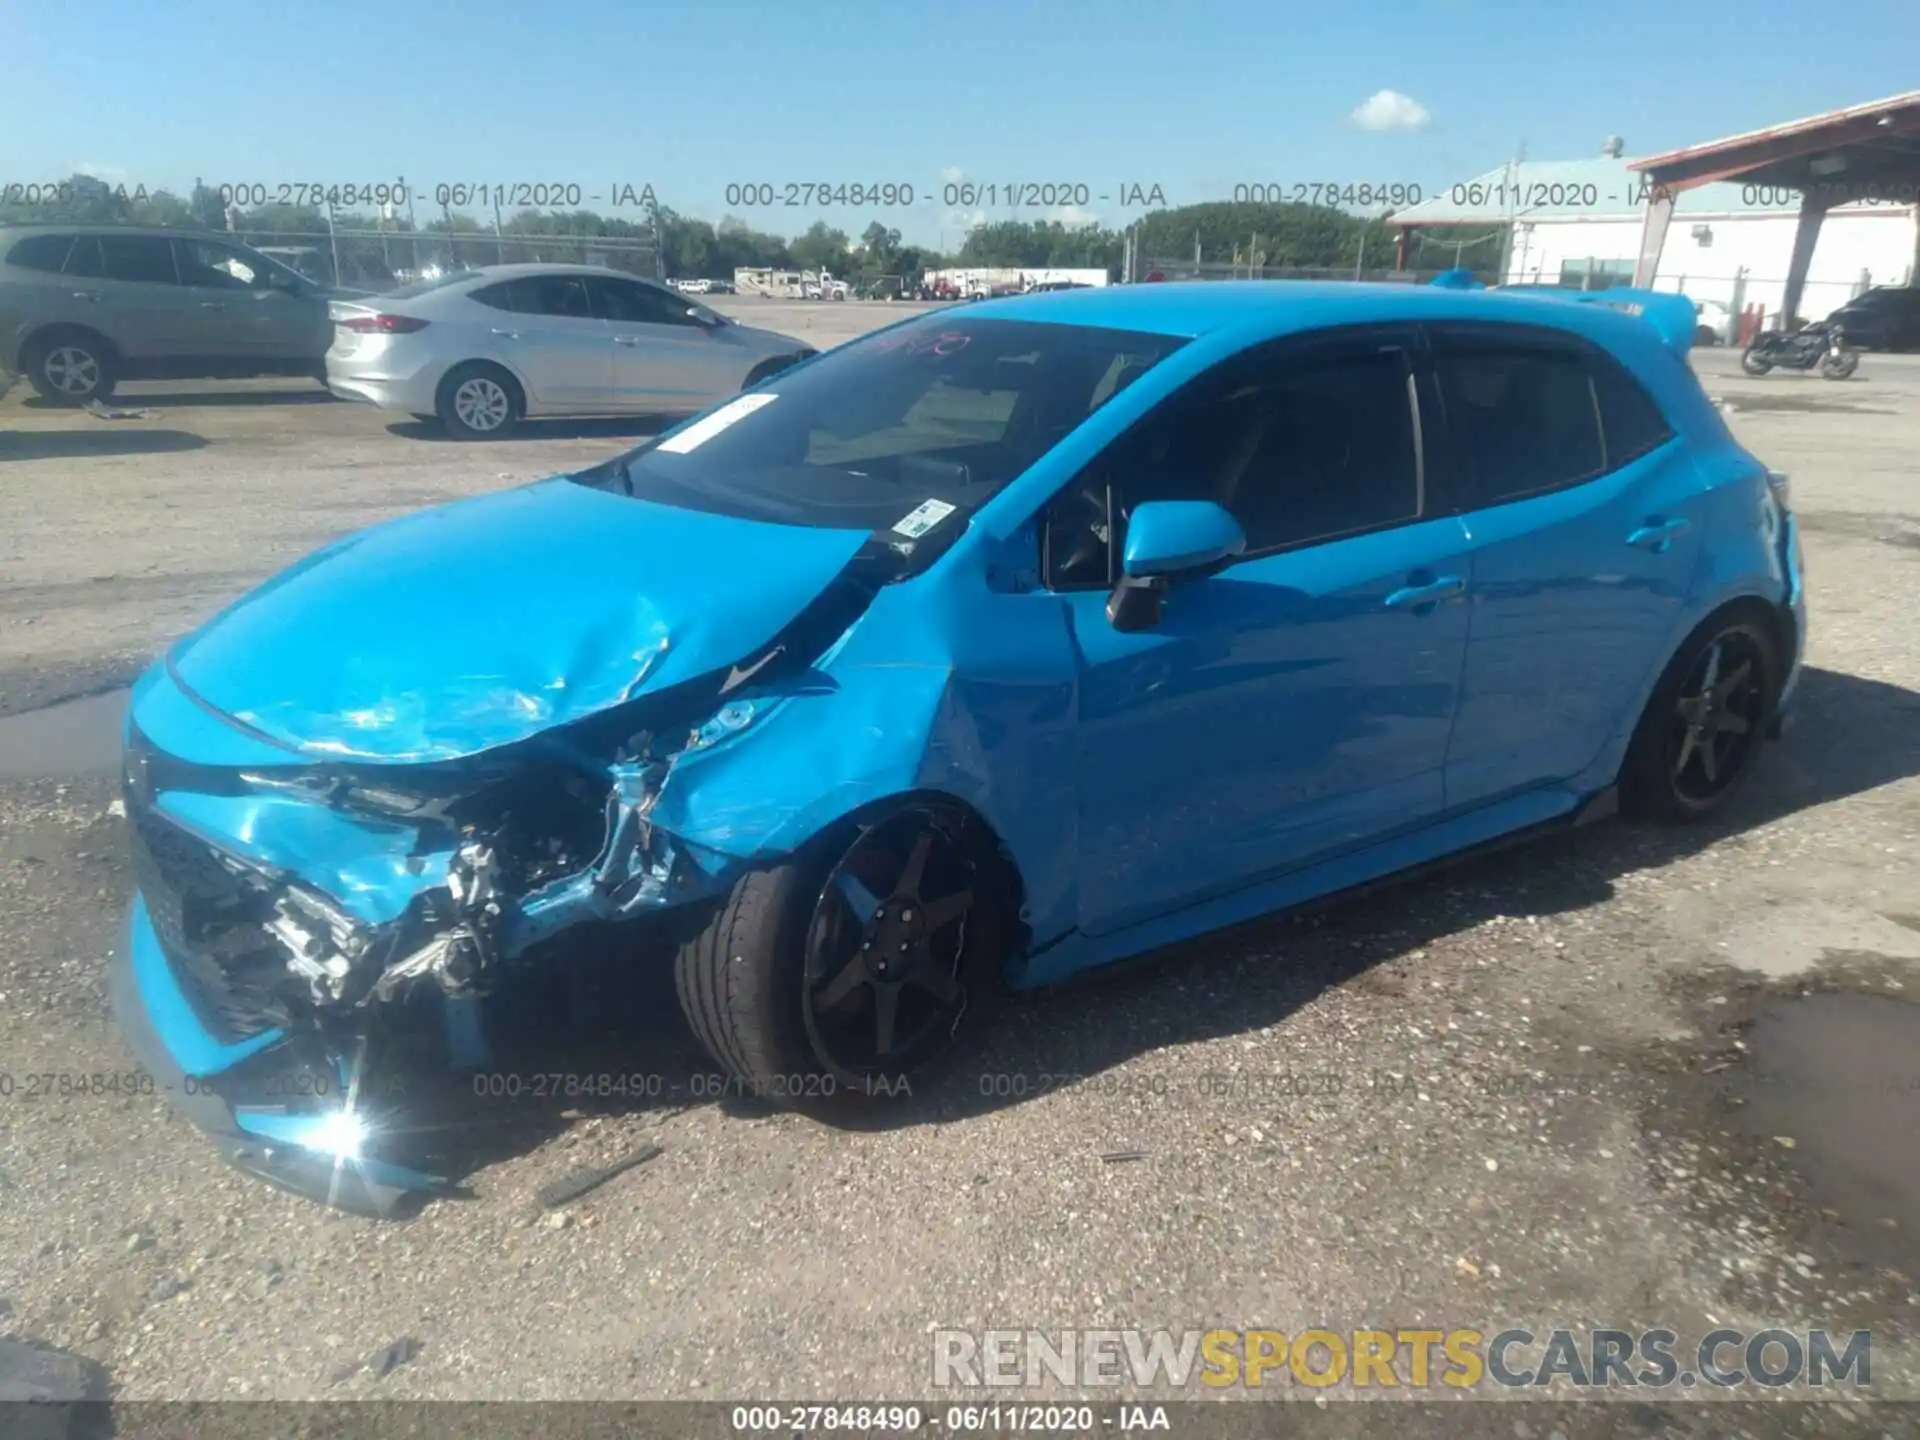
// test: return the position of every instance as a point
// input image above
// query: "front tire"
(825, 981)
(1753, 364)
(478, 401)
(70, 367)
(1839, 367)
(1697, 739)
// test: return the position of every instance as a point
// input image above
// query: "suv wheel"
(70, 368)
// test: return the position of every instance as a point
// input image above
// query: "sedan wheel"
(1704, 724)
(479, 402)
(834, 978)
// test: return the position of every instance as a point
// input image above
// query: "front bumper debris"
(274, 1115)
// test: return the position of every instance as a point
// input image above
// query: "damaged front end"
(310, 924)
(295, 923)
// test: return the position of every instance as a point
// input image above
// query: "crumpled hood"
(476, 624)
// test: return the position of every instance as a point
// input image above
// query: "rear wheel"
(70, 367)
(825, 981)
(478, 401)
(1703, 726)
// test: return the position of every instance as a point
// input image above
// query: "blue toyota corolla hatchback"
(996, 645)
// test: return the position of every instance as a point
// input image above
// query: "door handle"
(626, 339)
(508, 334)
(1422, 598)
(213, 304)
(90, 295)
(1657, 534)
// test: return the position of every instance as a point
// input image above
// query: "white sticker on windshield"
(701, 431)
(923, 517)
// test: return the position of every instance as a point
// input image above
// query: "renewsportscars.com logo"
(1459, 1359)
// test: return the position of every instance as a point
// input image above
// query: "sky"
(1102, 101)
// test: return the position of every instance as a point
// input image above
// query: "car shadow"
(309, 393)
(617, 427)
(616, 1015)
(82, 444)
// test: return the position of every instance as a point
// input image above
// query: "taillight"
(381, 324)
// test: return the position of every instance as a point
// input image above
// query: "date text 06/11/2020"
(460, 195)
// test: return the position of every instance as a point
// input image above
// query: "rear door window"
(1523, 415)
(564, 296)
(83, 260)
(139, 259)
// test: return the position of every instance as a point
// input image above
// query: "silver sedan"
(480, 350)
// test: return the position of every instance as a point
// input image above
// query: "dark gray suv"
(82, 307)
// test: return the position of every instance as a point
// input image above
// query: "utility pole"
(333, 240)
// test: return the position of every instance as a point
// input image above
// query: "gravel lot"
(1535, 1083)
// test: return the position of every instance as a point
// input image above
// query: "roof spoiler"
(1673, 316)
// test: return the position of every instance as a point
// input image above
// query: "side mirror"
(1169, 541)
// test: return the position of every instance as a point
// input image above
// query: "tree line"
(1275, 236)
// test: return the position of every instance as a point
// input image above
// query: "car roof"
(504, 272)
(166, 231)
(1190, 309)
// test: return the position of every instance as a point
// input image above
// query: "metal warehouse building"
(1581, 223)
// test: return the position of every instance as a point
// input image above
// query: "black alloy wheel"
(1718, 717)
(886, 948)
(1705, 722)
(863, 959)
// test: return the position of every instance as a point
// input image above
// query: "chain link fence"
(382, 259)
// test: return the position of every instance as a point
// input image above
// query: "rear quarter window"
(1629, 418)
(41, 252)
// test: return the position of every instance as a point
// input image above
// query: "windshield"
(916, 426)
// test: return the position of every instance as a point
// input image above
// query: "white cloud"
(953, 174)
(1390, 110)
(1072, 215)
(961, 220)
(112, 174)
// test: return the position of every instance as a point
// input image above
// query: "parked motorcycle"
(1823, 344)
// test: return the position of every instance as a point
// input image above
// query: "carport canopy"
(1869, 154)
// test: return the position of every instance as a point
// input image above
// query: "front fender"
(902, 707)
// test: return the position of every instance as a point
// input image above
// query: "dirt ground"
(1623, 1078)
